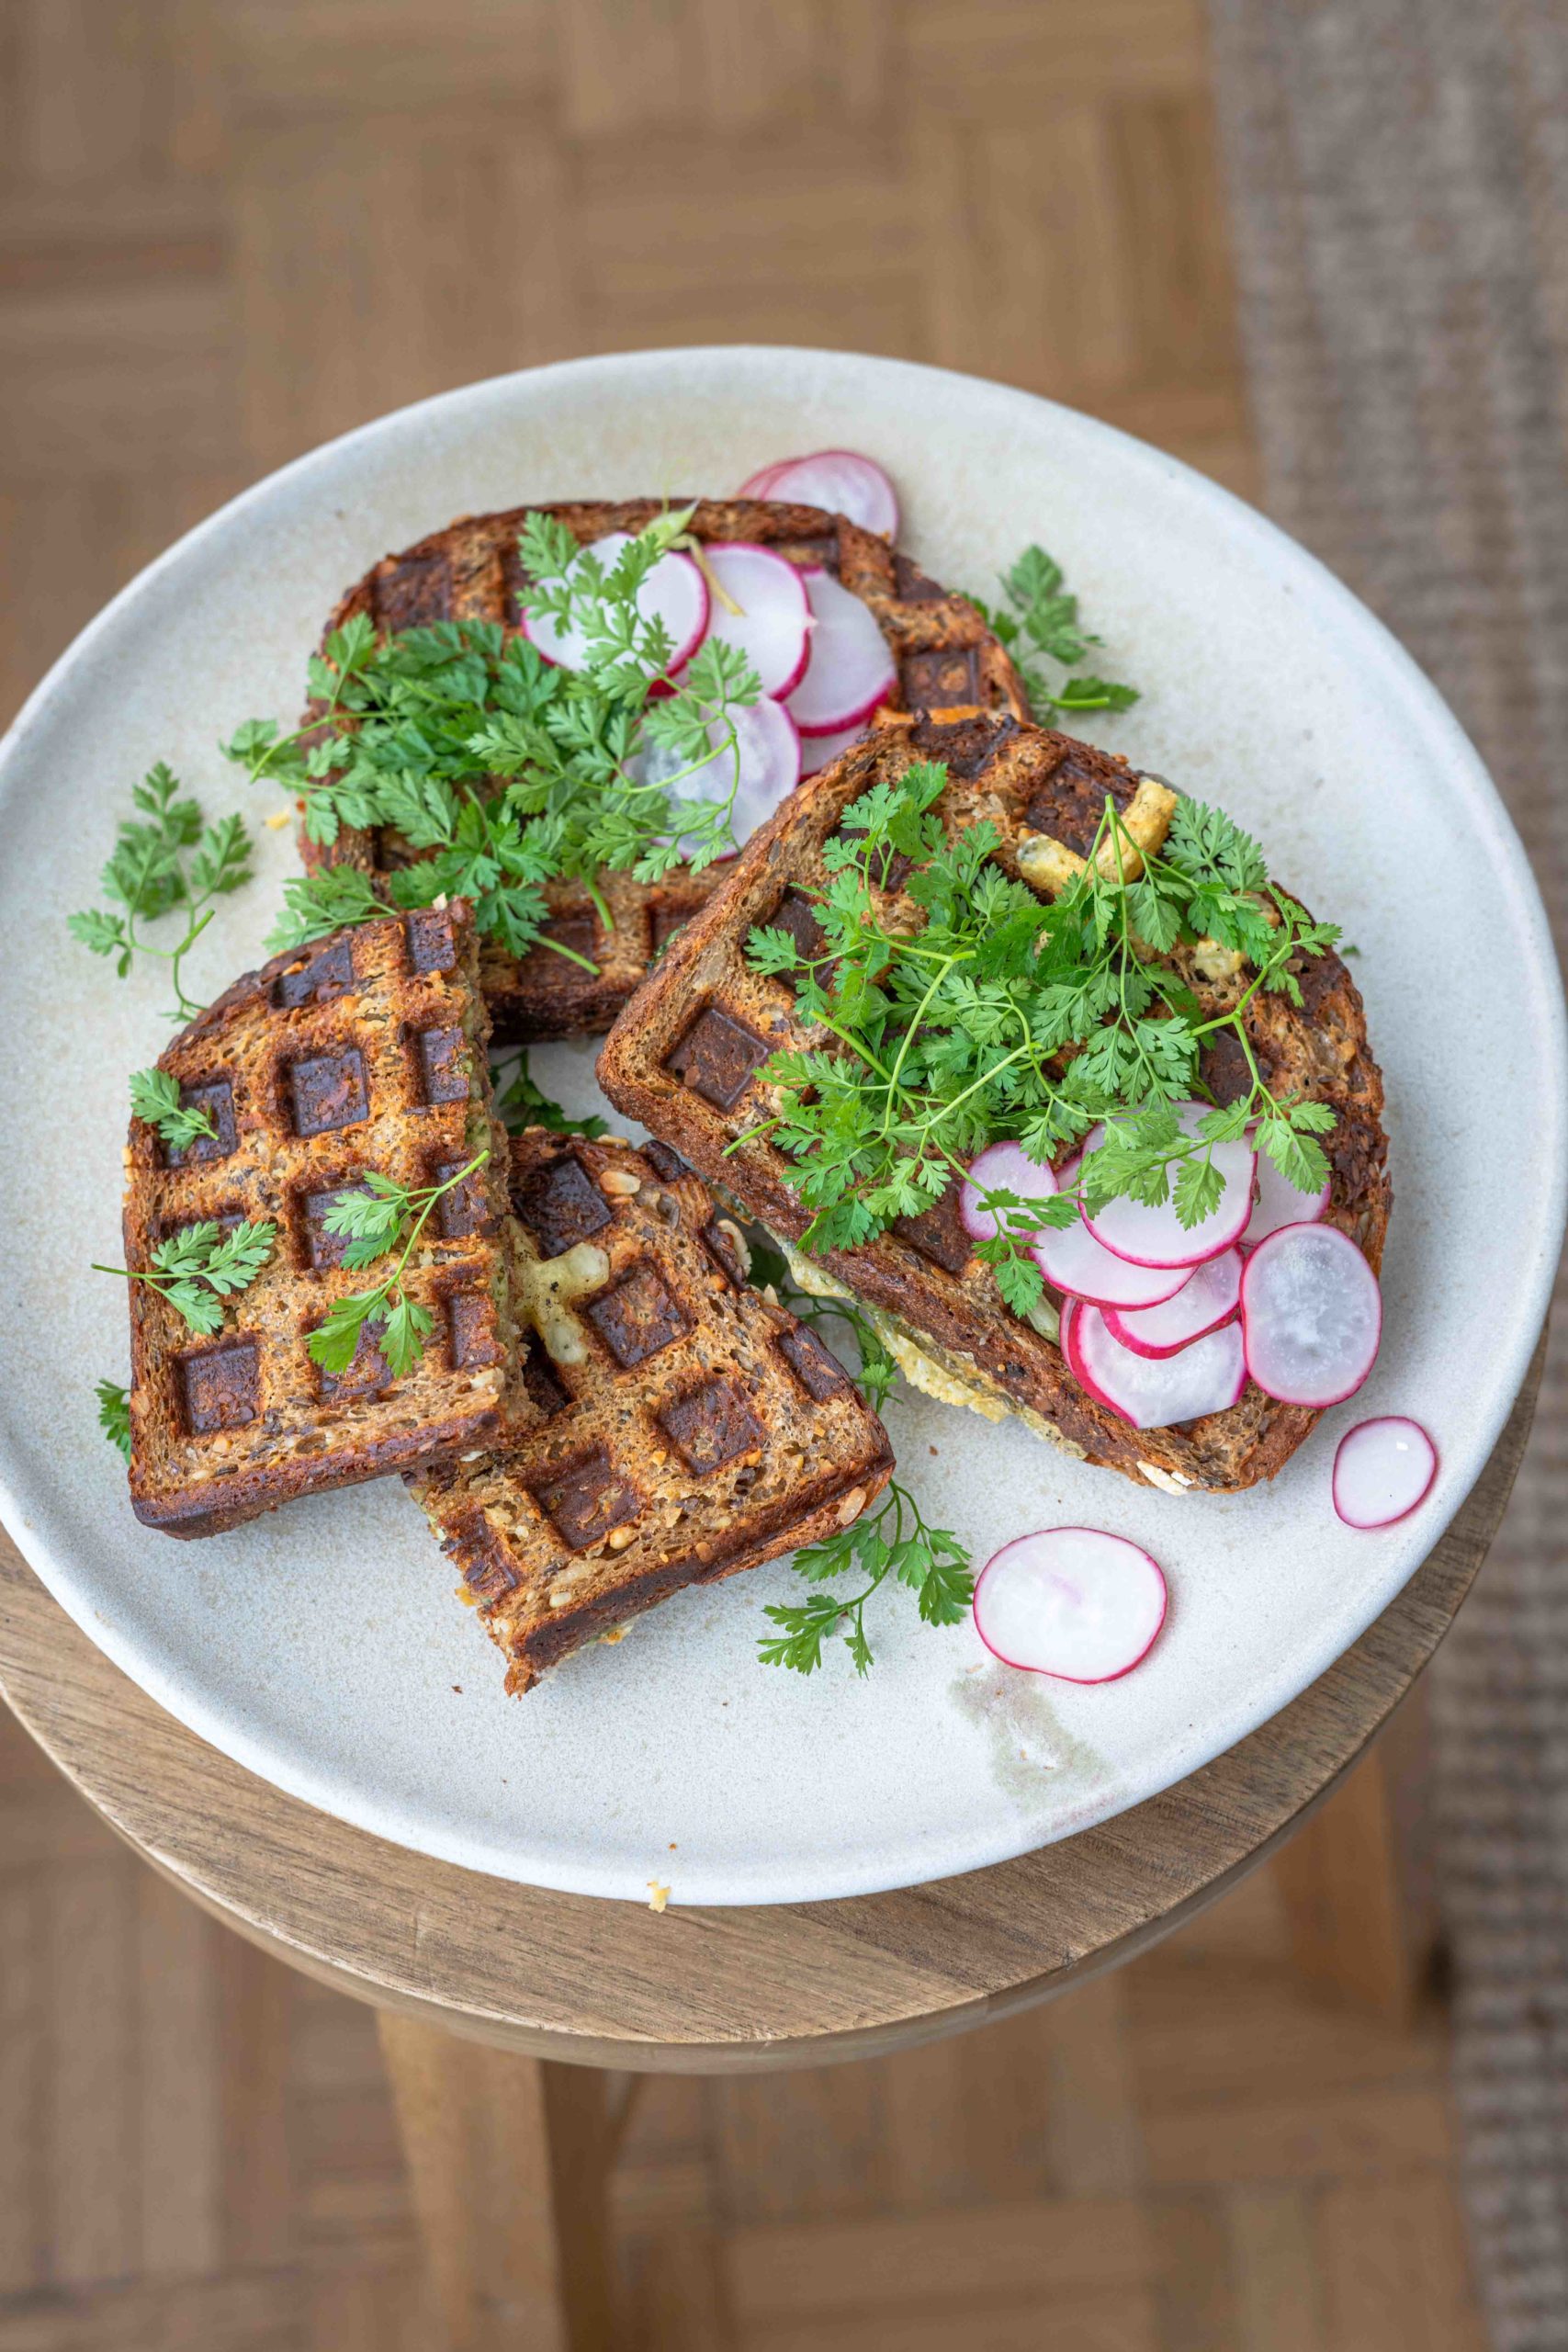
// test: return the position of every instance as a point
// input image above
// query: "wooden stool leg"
(508, 2158)
(1356, 1878)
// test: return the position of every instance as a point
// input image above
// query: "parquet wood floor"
(228, 228)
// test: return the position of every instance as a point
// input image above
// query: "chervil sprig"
(892, 1540)
(522, 1102)
(156, 1097)
(1044, 621)
(163, 859)
(114, 1414)
(382, 1216)
(1003, 1015)
(199, 1267)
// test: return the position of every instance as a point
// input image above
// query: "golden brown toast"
(684, 1060)
(946, 656)
(363, 1052)
(678, 1426)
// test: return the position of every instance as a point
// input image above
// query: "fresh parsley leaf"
(156, 1097)
(316, 904)
(198, 1268)
(162, 859)
(114, 1414)
(1043, 621)
(378, 1216)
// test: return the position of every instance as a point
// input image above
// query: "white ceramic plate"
(322, 1647)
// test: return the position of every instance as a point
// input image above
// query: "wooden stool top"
(611, 1983)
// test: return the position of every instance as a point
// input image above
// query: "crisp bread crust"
(945, 656)
(363, 1052)
(685, 1058)
(679, 1427)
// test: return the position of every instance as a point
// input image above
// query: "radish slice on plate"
(1207, 1298)
(1156, 1392)
(850, 669)
(1073, 1261)
(1155, 1236)
(820, 751)
(760, 483)
(842, 481)
(674, 592)
(1000, 1168)
(1311, 1314)
(1279, 1202)
(772, 622)
(768, 750)
(1381, 1471)
(1070, 1601)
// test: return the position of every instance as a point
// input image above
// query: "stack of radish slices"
(1164, 1322)
(823, 663)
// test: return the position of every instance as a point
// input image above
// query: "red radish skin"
(1311, 1316)
(1072, 1261)
(1000, 1168)
(848, 669)
(1383, 1470)
(1155, 1236)
(761, 484)
(1277, 1203)
(772, 625)
(1157, 1393)
(1075, 1603)
(843, 482)
(1211, 1296)
(674, 589)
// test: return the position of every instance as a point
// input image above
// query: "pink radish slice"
(1156, 1237)
(759, 484)
(674, 592)
(850, 669)
(1279, 1204)
(820, 751)
(844, 483)
(1311, 1314)
(1157, 1392)
(772, 626)
(1381, 1471)
(1070, 1601)
(1206, 1299)
(769, 752)
(1000, 1168)
(1073, 1261)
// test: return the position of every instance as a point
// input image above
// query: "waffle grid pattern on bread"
(946, 656)
(685, 1061)
(677, 1427)
(363, 1052)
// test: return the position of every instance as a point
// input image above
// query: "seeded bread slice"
(945, 656)
(684, 1060)
(365, 1052)
(677, 1428)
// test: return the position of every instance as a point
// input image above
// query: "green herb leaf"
(162, 859)
(156, 1097)
(114, 1414)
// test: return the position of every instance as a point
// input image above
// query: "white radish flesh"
(1311, 1314)
(1075, 1603)
(1207, 1298)
(1383, 1468)
(772, 623)
(820, 751)
(767, 749)
(1157, 1392)
(1155, 1236)
(674, 592)
(1279, 1204)
(850, 669)
(842, 481)
(1000, 1168)
(1072, 1261)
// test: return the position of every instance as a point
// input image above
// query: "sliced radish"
(1155, 1236)
(1000, 1168)
(842, 481)
(1157, 1392)
(1279, 1202)
(768, 750)
(1073, 1261)
(1381, 1471)
(820, 751)
(1311, 1314)
(1207, 1298)
(1070, 1601)
(674, 593)
(761, 484)
(772, 622)
(850, 669)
